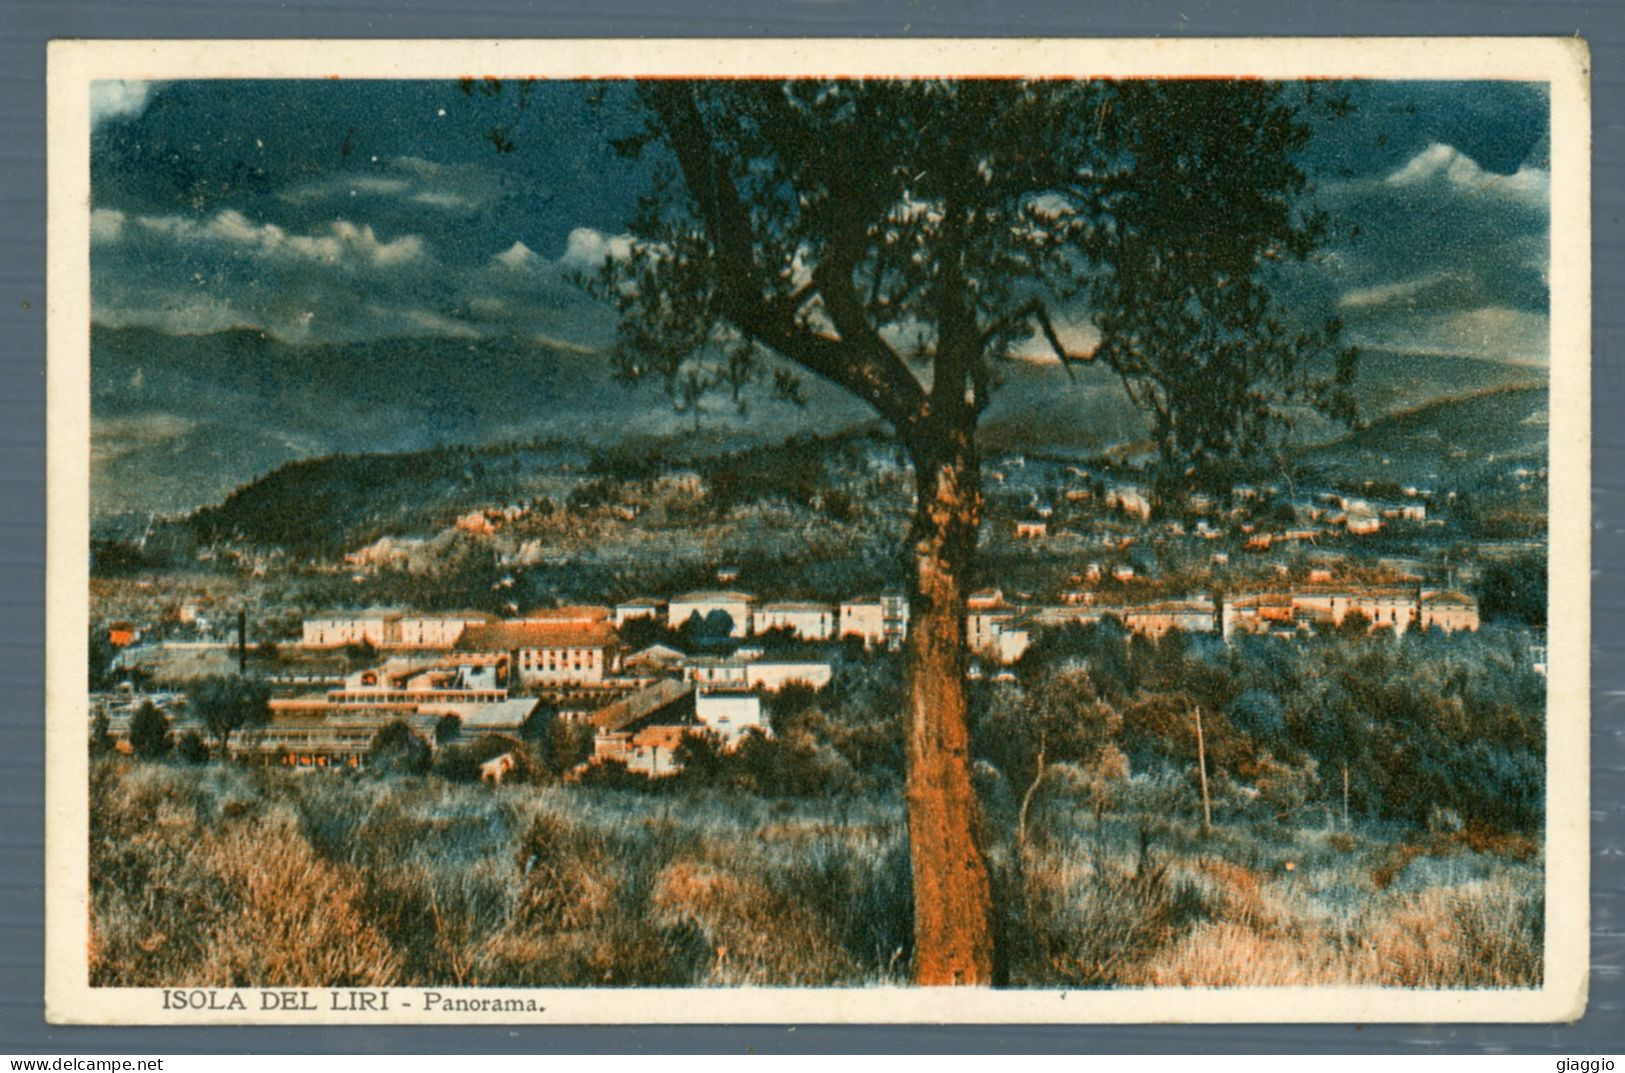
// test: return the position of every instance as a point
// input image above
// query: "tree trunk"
(1026, 804)
(953, 933)
(1201, 767)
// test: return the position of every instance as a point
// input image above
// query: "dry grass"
(225, 877)
(221, 877)
(1309, 908)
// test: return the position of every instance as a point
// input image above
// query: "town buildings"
(878, 620)
(726, 613)
(807, 621)
(385, 628)
(543, 651)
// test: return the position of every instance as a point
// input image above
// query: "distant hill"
(181, 421)
(322, 507)
(1450, 442)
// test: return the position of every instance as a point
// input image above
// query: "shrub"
(149, 732)
(397, 750)
(461, 763)
(101, 736)
(191, 749)
(447, 729)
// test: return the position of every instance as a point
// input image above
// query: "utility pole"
(1201, 767)
(1345, 795)
(242, 640)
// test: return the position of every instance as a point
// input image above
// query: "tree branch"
(859, 361)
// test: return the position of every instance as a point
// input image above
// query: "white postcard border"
(1564, 63)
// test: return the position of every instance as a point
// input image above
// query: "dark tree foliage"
(766, 766)
(191, 749)
(1258, 712)
(100, 666)
(1515, 591)
(101, 735)
(397, 750)
(226, 704)
(1060, 720)
(821, 221)
(149, 732)
(447, 729)
(640, 633)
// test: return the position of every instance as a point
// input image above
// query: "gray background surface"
(25, 26)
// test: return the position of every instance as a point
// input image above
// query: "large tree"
(225, 704)
(902, 240)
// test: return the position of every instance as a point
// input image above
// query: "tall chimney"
(242, 640)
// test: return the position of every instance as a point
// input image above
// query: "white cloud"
(587, 248)
(117, 98)
(1384, 293)
(442, 199)
(344, 241)
(1494, 333)
(106, 225)
(1446, 163)
(427, 323)
(177, 313)
(453, 187)
(569, 346)
(517, 256)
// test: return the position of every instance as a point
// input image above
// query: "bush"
(447, 729)
(149, 732)
(101, 735)
(191, 749)
(461, 763)
(397, 750)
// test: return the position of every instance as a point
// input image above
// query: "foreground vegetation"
(224, 876)
(1376, 819)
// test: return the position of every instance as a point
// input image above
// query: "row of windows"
(558, 658)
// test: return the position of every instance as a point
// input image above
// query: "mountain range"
(178, 422)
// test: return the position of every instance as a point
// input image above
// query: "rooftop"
(659, 737)
(491, 715)
(640, 705)
(506, 636)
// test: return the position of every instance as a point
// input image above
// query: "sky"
(328, 211)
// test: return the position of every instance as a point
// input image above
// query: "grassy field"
(220, 876)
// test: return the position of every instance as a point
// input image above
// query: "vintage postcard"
(818, 531)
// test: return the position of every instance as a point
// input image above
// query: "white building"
(732, 609)
(652, 751)
(437, 631)
(1191, 615)
(710, 671)
(729, 715)
(808, 621)
(472, 679)
(336, 629)
(1387, 609)
(1449, 611)
(648, 607)
(766, 675)
(879, 620)
(548, 653)
(982, 627)
(1010, 641)
(1130, 499)
(772, 675)
(390, 629)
